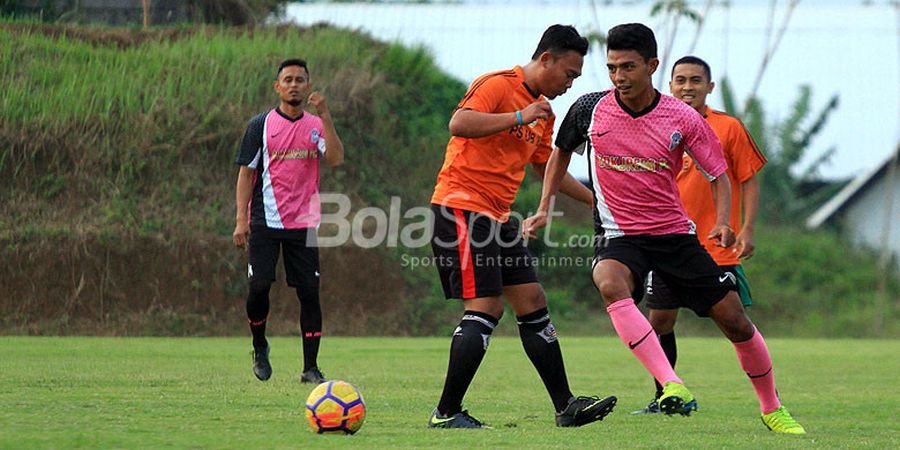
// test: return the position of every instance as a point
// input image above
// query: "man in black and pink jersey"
(635, 138)
(277, 197)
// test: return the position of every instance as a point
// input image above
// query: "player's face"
(560, 72)
(690, 85)
(629, 73)
(292, 85)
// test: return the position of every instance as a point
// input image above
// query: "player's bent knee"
(259, 287)
(492, 306)
(663, 321)
(612, 289)
(307, 295)
(735, 324)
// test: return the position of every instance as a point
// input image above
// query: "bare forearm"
(749, 203)
(474, 124)
(334, 152)
(554, 173)
(243, 190)
(573, 188)
(722, 196)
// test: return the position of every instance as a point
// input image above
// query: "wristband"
(519, 118)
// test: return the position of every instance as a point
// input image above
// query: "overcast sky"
(836, 47)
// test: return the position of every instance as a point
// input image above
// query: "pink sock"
(754, 358)
(636, 332)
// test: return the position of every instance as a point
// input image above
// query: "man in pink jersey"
(636, 138)
(278, 208)
(691, 82)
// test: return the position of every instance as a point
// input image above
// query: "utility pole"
(146, 14)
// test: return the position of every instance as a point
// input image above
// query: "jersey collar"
(636, 114)
(278, 110)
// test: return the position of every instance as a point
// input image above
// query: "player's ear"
(712, 85)
(546, 57)
(654, 64)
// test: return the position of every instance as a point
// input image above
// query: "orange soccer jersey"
(483, 174)
(744, 160)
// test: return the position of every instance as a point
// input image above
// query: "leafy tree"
(794, 191)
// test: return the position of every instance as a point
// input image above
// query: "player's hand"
(744, 245)
(318, 102)
(538, 110)
(534, 223)
(723, 235)
(241, 235)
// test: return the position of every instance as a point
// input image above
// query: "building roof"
(852, 190)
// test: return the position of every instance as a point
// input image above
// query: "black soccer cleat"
(652, 408)
(584, 410)
(261, 367)
(459, 420)
(313, 375)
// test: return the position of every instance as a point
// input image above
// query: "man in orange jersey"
(503, 123)
(692, 82)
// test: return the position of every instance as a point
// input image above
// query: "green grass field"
(64, 392)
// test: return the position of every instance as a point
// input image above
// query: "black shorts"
(659, 296)
(476, 256)
(692, 277)
(301, 256)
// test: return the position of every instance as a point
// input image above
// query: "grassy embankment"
(117, 148)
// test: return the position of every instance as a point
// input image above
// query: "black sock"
(310, 325)
(470, 343)
(667, 342)
(542, 347)
(257, 312)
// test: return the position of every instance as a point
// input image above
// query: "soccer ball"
(335, 407)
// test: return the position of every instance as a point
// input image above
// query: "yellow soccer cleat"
(781, 421)
(677, 399)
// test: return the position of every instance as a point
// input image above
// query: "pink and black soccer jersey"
(634, 157)
(285, 154)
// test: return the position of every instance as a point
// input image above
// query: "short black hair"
(693, 60)
(632, 36)
(561, 38)
(291, 62)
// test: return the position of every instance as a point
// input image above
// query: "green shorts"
(743, 284)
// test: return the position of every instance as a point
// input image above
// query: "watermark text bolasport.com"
(371, 226)
(481, 260)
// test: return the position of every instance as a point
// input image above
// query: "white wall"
(864, 218)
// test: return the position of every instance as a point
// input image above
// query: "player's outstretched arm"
(334, 153)
(721, 232)
(243, 190)
(469, 123)
(554, 172)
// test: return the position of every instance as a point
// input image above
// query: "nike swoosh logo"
(436, 421)
(601, 134)
(759, 376)
(633, 345)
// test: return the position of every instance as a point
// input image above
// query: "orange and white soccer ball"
(335, 407)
